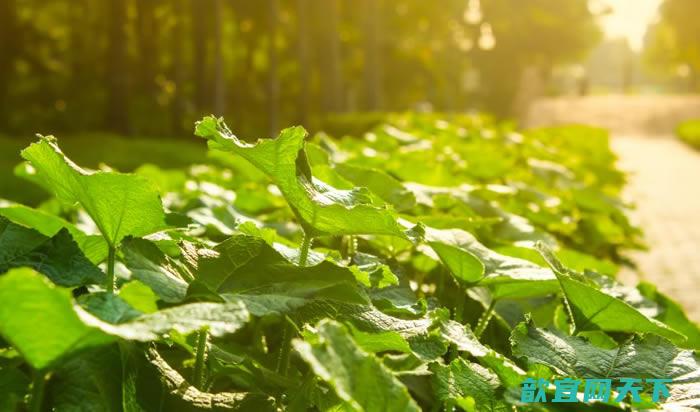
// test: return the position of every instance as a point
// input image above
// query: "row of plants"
(432, 263)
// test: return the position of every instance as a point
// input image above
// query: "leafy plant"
(689, 132)
(310, 273)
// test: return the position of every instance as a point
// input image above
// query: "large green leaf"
(321, 208)
(40, 320)
(119, 204)
(504, 275)
(380, 183)
(249, 269)
(88, 382)
(595, 309)
(44, 324)
(673, 315)
(16, 241)
(151, 266)
(94, 246)
(59, 258)
(14, 384)
(357, 377)
(460, 380)
(640, 357)
(462, 264)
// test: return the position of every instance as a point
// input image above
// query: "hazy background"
(152, 67)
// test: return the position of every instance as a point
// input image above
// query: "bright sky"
(629, 18)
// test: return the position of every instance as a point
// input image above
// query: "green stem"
(459, 307)
(285, 347)
(352, 246)
(38, 385)
(111, 281)
(457, 317)
(484, 319)
(304, 250)
(201, 357)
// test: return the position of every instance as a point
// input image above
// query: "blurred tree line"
(673, 43)
(151, 67)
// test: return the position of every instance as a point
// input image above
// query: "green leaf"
(88, 382)
(247, 268)
(59, 258)
(139, 296)
(13, 386)
(93, 246)
(16, 241)
(44, 324)
(357, 377)
(119, 204)
(672, 314)
(150, 265)
(504, 275)
(462, 264)
(594, 309)
(321, 209)
(380, 183)
(40, 321)
(460, 380)
(640, 357)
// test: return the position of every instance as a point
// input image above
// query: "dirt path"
(665, 186)
(664, 181)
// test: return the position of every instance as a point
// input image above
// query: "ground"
(664, 181)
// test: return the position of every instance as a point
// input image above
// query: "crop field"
(434, 262)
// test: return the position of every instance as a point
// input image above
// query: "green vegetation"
(689, 132)
(431, 263)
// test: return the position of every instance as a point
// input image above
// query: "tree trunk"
(304, 61)
(8, 50)
(273, 88)
(147, 31)
(373, 69)
(331, 68)
(178, 69)
(219, 78)
(199, 53)
(116, 116)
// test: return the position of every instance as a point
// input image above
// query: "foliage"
(674, 41)
(434, 262)
(689, 132)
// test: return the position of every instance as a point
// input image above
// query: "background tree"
(152, 67)
(673, 43)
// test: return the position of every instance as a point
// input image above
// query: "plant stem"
(285, 347)
(201, 357)
(459, 307)
(352, 246)
(484, 319)
(38, 385)
(304, 250)
(457, 317)
(111, 281)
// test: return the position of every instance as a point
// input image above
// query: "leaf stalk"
(111, 280)
(304, 250)
(200, 358)
(38, 385)
(484, 319)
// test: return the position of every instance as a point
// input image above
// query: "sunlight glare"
(628, 18)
